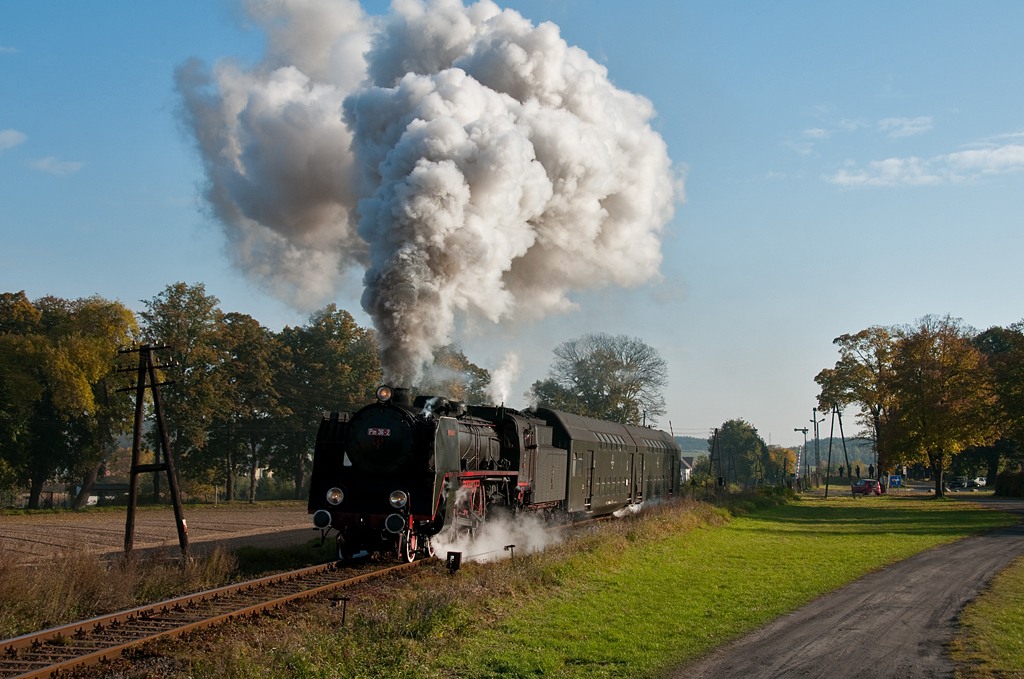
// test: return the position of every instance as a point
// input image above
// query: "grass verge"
(633, 598)
(76, 585)
(991, 642)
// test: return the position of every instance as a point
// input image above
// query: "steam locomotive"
(397, 472)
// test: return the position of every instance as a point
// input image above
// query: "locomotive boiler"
(395, 473)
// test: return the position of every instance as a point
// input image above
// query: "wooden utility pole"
(147, 371)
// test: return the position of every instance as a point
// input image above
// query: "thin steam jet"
(468, 162)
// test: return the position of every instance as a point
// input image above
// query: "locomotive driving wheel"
(407, 545)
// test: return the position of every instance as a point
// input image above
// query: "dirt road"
(892, 623)
(33, 537)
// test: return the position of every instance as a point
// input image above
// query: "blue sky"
(846, 165)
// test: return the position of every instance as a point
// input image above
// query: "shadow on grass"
(254, 561)
(879, 516)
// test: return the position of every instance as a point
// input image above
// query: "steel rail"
(67, 639)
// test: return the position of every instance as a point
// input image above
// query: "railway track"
(49, 652)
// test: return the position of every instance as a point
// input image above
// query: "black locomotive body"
(396, 473)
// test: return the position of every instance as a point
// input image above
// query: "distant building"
(686, 468)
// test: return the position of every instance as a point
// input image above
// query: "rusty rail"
(46, 653)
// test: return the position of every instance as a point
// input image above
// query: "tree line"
(241, 397)
(934, 393)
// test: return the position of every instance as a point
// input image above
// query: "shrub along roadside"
(1010, 484)
(630, 599)
(991, 639)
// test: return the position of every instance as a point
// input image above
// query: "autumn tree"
(58, 417)
(945, 397)
(332, 365)
(95, 328)
(611, 377)
(861, 377)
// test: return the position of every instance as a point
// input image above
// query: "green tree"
(189, 321)
(331, 365)
(862, 376)
(611, 377)
(742, 453)
(22, 354)
(254, 358)
(1003, 349)
(945, 397)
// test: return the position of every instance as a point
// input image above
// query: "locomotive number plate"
(378, 432)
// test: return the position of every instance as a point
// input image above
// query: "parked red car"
(867, 487)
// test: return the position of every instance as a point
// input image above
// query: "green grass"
(658, 604)
(991, 642)
(634, 598)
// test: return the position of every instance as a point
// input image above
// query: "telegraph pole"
(147, 369)
(807, 474)
(817, 451)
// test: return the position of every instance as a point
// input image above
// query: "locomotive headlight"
(384, 393)
(398, 499)
(335, 496)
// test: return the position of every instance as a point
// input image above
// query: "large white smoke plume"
(468, 161)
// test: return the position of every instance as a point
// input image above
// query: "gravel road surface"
(891, 623)
(31, 538)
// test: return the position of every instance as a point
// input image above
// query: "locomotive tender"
(396, 473)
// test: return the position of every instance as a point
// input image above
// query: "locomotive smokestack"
(402, 397)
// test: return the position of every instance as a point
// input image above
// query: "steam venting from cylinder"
(466, 161)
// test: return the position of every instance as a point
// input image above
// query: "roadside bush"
(779, 491)
(1010, 484)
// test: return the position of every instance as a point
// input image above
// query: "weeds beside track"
(42, 654)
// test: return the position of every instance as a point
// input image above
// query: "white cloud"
(9, 50)
(889, 172)
(803, 149)
(905, 127)
(11, 138)
(987, 160)
(816, 133)
(851, 125)
(57, 167)
(948, 168)
(1010, 135)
